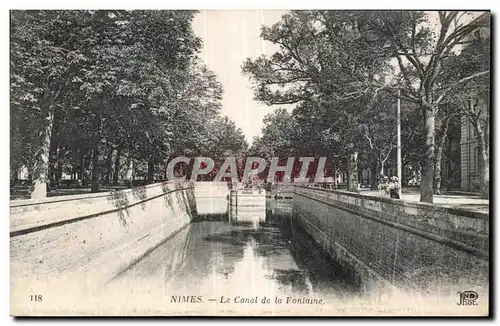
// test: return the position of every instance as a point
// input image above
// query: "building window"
(476, 160)
(471, 135)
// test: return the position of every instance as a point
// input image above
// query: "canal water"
(249, 251)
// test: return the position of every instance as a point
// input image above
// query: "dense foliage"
(97, 93)
(343, 70)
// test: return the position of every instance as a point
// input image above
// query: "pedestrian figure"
(383, 186)
(393, 187)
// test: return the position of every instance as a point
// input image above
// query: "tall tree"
(111, 77)
(43, 55)
(410, 38)
(326, 58)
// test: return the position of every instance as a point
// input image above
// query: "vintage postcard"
(249, 163)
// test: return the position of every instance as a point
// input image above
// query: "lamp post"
(400, 178)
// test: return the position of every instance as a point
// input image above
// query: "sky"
(229, 37)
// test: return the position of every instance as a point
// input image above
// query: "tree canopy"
(90, 87)
(344, 70)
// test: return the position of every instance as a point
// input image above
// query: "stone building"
(469, 150)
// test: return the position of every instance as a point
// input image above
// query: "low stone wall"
(407, 244)
(101, 234)
(212, 199)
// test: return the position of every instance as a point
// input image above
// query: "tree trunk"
(95, 168)
(374, 177)
(352, 166)
(54, 150)
(109, 165)
(483, 161)
(437, 166)
(82, 168)
(59, 169)
(129, 166)
(437, 160)
(52, 157)
(132, 169)
(41, 164)
(151, 170)
(117, 165)
(165, 165)
(426, 188)
(382, 168)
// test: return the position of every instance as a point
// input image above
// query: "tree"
(40, 69)
(326, 60)
(92, 82)
(420, 54)
(378, 128)
(198, 107)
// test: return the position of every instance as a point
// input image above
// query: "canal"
(249, 252)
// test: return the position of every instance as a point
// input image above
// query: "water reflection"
(256, 251)
(252, 215)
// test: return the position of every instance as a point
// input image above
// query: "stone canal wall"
(407, 244)
(101, 233)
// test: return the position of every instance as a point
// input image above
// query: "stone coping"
(55, 199)
(405, 203)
